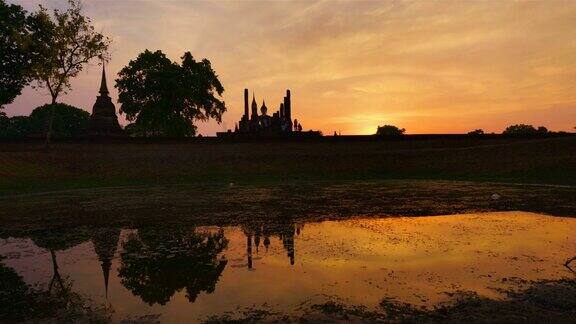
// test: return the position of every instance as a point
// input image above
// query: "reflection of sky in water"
(414, 259)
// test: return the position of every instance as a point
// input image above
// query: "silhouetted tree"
(68, 121)
(542, 130)
(14, 127)
(476, 132)
(15, 52)
(524, 130)
(66, 42)
(164, 98)
(156, 263)
(390, 130)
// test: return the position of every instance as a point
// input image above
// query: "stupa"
(104, 121)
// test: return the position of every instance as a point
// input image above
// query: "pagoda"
(103, 121)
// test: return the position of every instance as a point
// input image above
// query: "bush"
(389, 130)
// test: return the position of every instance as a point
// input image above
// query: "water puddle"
(182, 274)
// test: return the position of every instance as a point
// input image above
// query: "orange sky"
(427, 66)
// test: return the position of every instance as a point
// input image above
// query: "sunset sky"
(427, 66)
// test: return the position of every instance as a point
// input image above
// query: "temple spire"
(106, 265)
(103, 86)
(254, 107)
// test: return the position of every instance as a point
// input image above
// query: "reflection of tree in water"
(55, 240)
(285, 230)
(20, 301)
(105, 241)
(156, 263)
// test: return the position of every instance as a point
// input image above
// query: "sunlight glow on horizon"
(428, 67)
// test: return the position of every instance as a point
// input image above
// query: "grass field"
(26, 167)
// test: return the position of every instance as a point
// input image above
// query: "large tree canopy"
(15, 52)
(164, 98)
(64, 42)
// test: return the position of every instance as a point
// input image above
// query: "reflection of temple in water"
(256, 232)
(105, 242)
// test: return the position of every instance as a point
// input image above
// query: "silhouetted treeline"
(519, 130)
(68, 122)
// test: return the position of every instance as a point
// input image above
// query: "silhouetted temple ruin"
(279, 123)
(103, 121)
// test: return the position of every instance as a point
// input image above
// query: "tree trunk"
(50, 122)
(56, 278)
